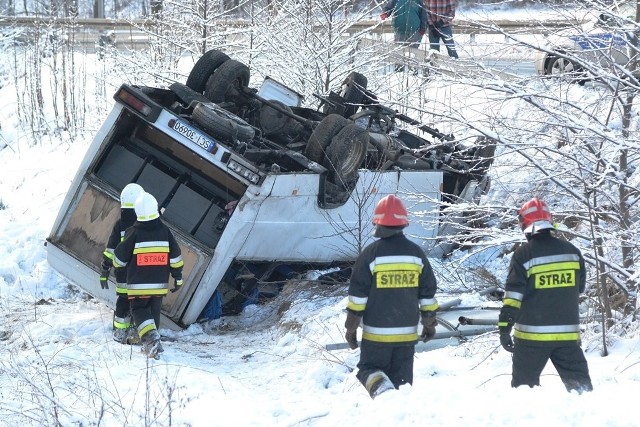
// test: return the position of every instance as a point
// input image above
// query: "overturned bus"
(253, 186)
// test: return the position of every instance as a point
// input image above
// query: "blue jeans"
(440, 31)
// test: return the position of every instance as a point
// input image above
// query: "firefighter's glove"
(177, 284)
(506, 341)
(104, 280)
(506, 319)
(428, 328)
(351, 324)
(507, 316)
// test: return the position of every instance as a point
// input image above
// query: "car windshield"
(619, 15)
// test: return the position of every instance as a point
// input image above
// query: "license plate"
(192, 135)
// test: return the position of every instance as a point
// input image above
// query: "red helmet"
(390, 212)
(535, 211)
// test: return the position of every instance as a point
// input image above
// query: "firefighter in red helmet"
(546, 276)
(392, 288)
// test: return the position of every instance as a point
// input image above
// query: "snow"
(266, 367)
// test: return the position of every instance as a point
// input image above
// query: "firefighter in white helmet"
(546, 277)
(122, 312)
(149, 252)
(392, 288)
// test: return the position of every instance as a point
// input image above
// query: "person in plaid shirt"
(440, 14)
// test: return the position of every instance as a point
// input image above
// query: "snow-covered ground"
(266, 367)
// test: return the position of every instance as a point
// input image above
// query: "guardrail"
(460, 26)
(87, 31)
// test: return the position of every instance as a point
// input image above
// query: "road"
(508, 58)
(477, 40)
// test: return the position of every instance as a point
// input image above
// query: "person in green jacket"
(409, 20)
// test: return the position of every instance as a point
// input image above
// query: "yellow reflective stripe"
(389, 330)
(118, 263)
(532, 336)
(547, 329)
(148, 217)
(155, 249)
(120, 324)
(108, 254)
(514, 295)
(395, 259)
(550, 259)
(502, 324)
(146, 292)
(151, 244)
(373, 379)
(121, 289)
(429, 307)
(389, 338)
(147, 286)
(146, 326)
(508, 302)
(357, 303)
(356, 307)
(396, 267)
(176, 264)
(556, 266)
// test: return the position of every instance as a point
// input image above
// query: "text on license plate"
(194, 136)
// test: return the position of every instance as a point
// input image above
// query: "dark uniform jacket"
(391, 283)
(127, 218)
(149, 252)
(546, 276)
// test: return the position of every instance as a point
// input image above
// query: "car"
(256, 188)
(601, 41)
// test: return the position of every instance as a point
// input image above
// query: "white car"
(601, 41)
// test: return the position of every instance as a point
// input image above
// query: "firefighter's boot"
(120, 335)
(377, 383)
(151, 345)
(132, 335)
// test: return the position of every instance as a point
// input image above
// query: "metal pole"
(447, 305)
(99, 9)
(467, 321)
(425, 346)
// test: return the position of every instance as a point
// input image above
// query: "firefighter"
(392, 288)
(546, 276)
(149, 252)
(122, 313)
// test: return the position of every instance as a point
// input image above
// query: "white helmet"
(129, 195)
(146, 207)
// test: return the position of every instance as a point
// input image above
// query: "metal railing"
(131, 32)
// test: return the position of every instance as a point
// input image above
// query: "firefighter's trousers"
(569, 361)
(145, 309)
(394, 360)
